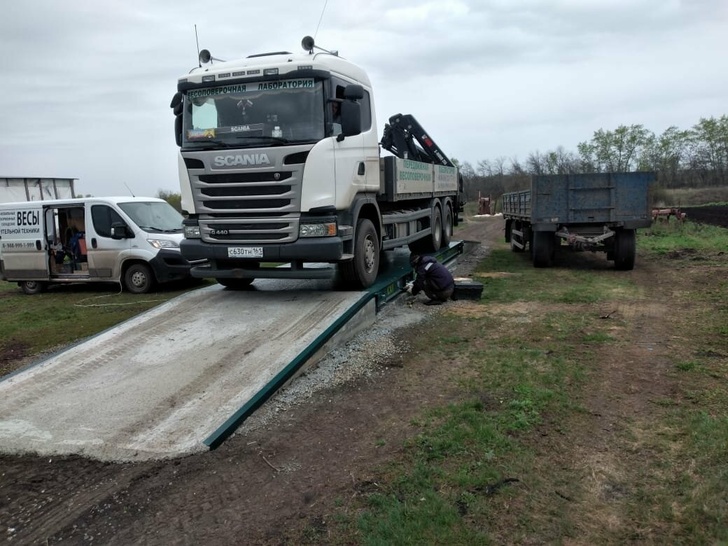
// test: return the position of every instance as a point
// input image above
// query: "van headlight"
(162, 243)
(327, 229)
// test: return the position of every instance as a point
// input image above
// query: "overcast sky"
(87, 83)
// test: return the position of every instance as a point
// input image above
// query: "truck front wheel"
(138, 279)
(625, 249)
(361, 271)
(235, 284)
(544, 247)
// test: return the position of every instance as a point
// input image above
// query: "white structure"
(13, 190)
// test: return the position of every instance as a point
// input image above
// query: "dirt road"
(279, 476)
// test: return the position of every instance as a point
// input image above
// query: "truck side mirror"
(350, 118)
(177, 106)
(354, 91)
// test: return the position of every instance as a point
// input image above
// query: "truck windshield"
(251, 114)
(154, 216)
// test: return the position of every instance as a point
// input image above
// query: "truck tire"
(432, 242)
(625, 249)
(361, 271)
(447, 227)
(235, 284)
(544, 247)
(33, 287)
(138, 279)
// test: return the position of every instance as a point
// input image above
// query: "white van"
(130, 240)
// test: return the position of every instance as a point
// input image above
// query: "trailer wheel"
(138, 279)
(447, 227)
(362, 270)
(625, 249)
(544, 247)
(33, 287)
(235, 284)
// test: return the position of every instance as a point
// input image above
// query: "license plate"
(245, 252)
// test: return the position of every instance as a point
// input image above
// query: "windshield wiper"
(265, 137)
(161, 230)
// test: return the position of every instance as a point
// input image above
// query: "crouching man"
(432, 278)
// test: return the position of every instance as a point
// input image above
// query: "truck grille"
(254, 205)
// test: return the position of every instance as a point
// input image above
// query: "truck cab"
(280, 171)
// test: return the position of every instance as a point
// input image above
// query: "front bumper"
(217, 264)
(170, 265)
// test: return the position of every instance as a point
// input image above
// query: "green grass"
(66, 314)
(674, 237)
(529, 372)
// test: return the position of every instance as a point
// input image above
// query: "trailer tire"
(361, 271)
(544, 247)
(33, 287)
(139, 279)
(625, 249)
(447, 227)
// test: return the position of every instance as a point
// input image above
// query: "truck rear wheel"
(447, 227)
(138, 279)
(544, 247)
(433, 242)
(625, 249)
(32, 287)
(361, 271)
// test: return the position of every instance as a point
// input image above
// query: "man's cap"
(414, 259)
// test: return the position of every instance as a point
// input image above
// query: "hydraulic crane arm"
(402, 135)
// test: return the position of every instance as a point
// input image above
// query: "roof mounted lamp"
(308, 44)
(206, 57)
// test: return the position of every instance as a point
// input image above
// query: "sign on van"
(20, 224)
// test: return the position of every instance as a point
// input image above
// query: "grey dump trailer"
(597, 212)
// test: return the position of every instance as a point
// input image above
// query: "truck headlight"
(192, 232)
(162, 243)
(317, 230)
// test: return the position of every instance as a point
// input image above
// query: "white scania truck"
(281, 173)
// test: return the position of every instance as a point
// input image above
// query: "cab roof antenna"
(128, 188)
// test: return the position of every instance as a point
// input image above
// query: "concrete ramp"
(156, 386)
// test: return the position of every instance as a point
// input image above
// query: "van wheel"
(32, 287)
(138, 279)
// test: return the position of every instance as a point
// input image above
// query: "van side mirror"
(119, 231)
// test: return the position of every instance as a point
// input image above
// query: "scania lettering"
(247, 159)
(282, 173)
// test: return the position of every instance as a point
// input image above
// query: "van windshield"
(154, 216)
(251, 114)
